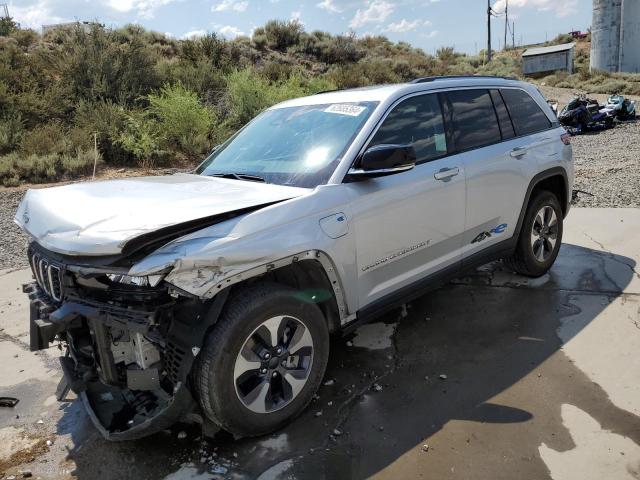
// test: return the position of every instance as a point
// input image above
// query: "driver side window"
(418, 122)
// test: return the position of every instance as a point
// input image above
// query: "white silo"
(615, 36)
(630, 37)
(605, 35)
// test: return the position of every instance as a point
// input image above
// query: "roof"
(530, 52)
(380, 93)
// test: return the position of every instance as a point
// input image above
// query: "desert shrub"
(175, 123)
(180, 120)
(282, 35)
(16, 168)
(48, 138)
(107, 64)
(107, 120)
(11, 131)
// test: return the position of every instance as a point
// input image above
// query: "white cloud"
(402, 26)
(144, 8)
(194, 34)
(224, 5)
(230, 31)
(34, 16)
(561, 8)
(376, 12)
(329, 6)
(431, 34)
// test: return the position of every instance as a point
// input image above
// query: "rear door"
(410, 224)
(498, 163)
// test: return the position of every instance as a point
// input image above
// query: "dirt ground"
(492, 376)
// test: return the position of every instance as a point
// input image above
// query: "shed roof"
(530, 52)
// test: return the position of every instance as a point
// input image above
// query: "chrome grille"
(47, 274)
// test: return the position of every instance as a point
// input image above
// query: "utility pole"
(488, 30)
(506, 23)
(513, 34)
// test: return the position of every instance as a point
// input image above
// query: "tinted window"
(526, 115)
(417, 122)
(506, 127)
(474, 119)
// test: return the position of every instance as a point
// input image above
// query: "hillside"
(152, 100)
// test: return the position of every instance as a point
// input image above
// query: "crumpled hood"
(99, 218)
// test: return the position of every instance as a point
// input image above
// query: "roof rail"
(453, 77)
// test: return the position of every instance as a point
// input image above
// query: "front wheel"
(263, 361)
(540, 237)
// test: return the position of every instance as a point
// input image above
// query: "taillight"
(566, 138)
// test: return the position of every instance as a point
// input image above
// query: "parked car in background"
(216, 292)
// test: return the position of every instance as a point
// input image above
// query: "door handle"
(446, 173)
(518, 152)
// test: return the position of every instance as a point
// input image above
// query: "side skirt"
(432, 282)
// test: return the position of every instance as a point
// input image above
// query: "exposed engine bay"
(128, 343)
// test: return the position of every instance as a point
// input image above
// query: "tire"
(528, 259)
(232, 400)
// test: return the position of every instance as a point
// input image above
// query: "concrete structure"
(86, 26)
(548, 59)
(615, 36)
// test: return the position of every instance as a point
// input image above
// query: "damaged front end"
(128, 343)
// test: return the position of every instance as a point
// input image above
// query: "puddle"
(598, 454)
(189, 472)
(277, 444)
(374, 336)
(277, 471)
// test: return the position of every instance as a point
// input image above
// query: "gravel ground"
(607, 165)
(12, 241)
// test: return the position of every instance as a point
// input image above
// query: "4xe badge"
(494, 231)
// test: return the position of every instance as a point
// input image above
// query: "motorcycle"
(620, 107)
(582, 114)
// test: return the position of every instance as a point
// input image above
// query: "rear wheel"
(263, 361)
(540, 237)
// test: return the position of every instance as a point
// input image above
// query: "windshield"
(297, 146)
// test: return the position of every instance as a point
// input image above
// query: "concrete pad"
(600, 339)
(598, 453)
(540, 382)
(20, 366)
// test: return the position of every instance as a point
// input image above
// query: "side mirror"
(383, 160)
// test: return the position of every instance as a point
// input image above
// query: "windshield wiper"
(239, 176)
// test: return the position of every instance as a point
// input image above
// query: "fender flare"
(316, 255)
(551, 172)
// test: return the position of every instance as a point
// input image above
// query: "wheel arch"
(554, 180)
(311, 272)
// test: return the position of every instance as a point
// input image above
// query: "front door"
(410, 224)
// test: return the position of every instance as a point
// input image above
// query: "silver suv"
(214, 293)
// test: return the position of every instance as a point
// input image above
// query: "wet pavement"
(492, 376)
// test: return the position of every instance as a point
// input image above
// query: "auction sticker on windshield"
(345, 109)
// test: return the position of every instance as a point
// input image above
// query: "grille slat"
(47, 275)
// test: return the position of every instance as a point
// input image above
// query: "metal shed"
(548, 59)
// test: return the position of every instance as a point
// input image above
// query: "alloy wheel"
(273, 364)
(544, 233)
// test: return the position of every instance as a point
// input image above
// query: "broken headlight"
(146, 281)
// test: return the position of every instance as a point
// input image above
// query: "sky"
(427, 24)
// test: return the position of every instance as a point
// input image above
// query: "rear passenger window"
(506, 127)
(417, 122)
(474, 119)
(526, 114)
